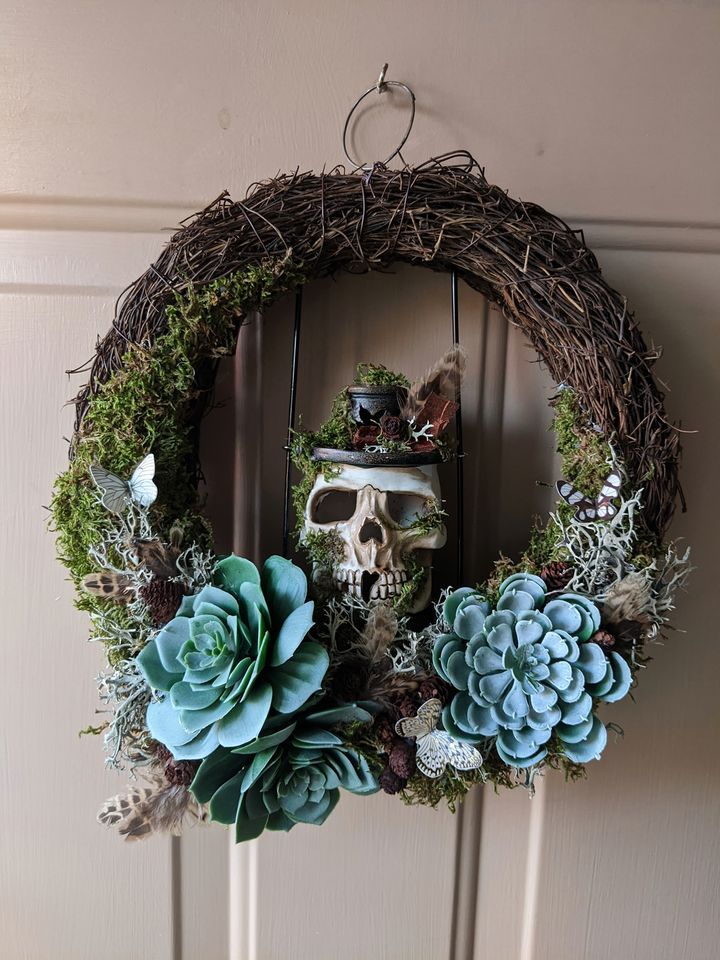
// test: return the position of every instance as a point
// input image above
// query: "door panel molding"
(69, 215)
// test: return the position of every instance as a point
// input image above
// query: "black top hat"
(400, 426)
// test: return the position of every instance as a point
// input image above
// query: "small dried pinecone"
(385, 731)
(435, 689)
(556, 575)
(162, 598)
(178, 772)
(405, 706)
(391, 782)
(401, 759)
(604, 639)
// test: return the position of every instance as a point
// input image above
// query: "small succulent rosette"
(527, 671)
(292, 774)
(233, 659)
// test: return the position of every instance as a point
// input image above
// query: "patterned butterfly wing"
(610, 490)
(463, 756)
(141, 486)
(115, 493)
(569, 493)
(586, 512)
(585, 507)
(412, 727)
(432, 755)
(438, 749)
(422, 724)
(611, 487)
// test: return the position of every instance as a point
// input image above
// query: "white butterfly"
(592, 508)
(436, 748)
(117, 493)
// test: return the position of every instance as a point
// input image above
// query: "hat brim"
(362, 458)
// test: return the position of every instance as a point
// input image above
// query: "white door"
(116, 121)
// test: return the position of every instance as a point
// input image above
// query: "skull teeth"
(388, 583)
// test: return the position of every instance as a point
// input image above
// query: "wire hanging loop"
(379, 87)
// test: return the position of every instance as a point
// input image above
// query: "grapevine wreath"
(251, 696)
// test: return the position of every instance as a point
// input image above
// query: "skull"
(374, 514)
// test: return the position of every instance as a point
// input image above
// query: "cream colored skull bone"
(378, 538)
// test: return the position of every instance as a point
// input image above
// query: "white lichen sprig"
(599, 551)
(601, 554)
(127, 695)
(412, 652)
(345, 633)
(195, 568)
(126, 629)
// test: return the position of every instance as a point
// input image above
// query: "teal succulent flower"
(292, 774)
(234, 657)
(527, 670)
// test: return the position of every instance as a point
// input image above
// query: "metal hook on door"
(379, 87)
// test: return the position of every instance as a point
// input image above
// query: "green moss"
(360, 736)
(433, 518)
(557, 760)
(91, 731)
(450, 788)
(392, 446)
(585, 452)
(323, 548)
(416, 575)
(376, 375)
(146, 406)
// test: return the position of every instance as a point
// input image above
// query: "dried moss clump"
(376, 375)
(152, 403)
(585, 452)
(451, 788)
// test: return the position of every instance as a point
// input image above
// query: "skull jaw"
(387, 584)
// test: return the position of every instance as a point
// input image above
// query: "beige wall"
(116, 120)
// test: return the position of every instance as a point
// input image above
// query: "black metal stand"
(291, 417)
(458, 434)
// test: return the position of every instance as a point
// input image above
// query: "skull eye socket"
(333, 506)
(406, 508)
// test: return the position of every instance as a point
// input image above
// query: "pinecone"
(178, 772)
(391, 782)
(385, 732)
(604, 639)
(556, 575)
(162, 598)
(436, 689)
(405, 706)
(402, 759)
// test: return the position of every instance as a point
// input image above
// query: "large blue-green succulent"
(292, 774)
(526, 670)
(234, 658)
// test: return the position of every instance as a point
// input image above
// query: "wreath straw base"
(151, 381)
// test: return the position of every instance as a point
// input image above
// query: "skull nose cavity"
(371, 530)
